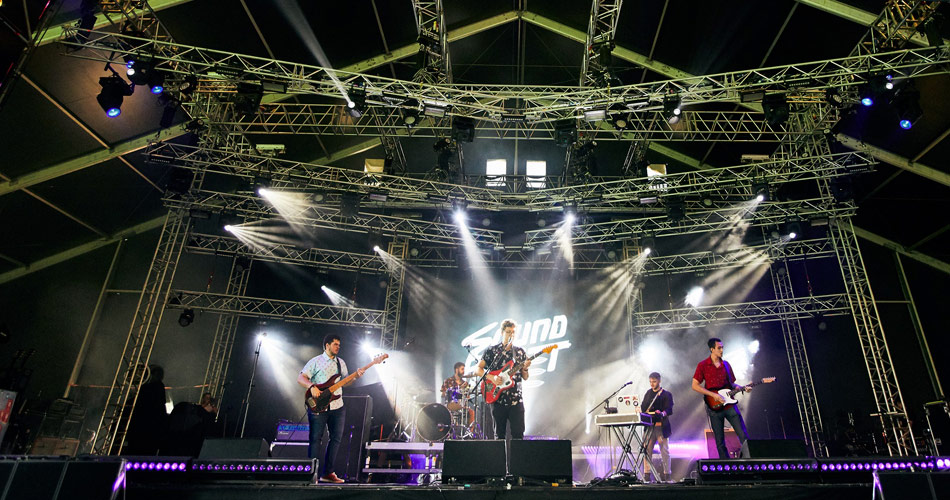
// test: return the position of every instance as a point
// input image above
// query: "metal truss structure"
(220, 72)
(325, 119)
(433, 38)
(891, 411)
(746, 312)
(802, 381)
(209, 244)
(729, 184)
(130, 373)
(397, 253)
(256, 307)
(253, 208)
(898, 24)
(224, 333)
(601, 30)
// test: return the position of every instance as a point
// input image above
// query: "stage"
(262, 490)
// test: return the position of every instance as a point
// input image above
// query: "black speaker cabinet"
(214, 449)
(352, 452)
(473, 461)
(55, 479)
(546, 460)
(908, 486)
(777, 448)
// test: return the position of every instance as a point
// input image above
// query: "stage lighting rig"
(143, 72)
(761, 190)
(463, 129)
(186, 317)
(114, 90)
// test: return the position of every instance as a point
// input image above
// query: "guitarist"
(317, 371)
(509, 408)
(717, 374)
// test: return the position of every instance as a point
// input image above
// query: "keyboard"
(618, 419)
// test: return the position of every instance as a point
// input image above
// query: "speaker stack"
(472, 461)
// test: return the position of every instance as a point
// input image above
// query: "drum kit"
(454, 418)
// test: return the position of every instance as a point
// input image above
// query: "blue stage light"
(157, 89)
(906, 124)
(867, 101)
(113, 112)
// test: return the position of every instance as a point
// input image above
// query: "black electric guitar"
(321, 403)
(729, 395)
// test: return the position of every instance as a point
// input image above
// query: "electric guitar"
(729, 395)
(492, 391)
(321, 403)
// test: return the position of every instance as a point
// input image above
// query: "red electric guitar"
(492, 391)
(729, 395)
(321, 403)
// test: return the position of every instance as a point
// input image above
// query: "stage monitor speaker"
(351, 455)
(473, 461)
(546, 460)
(907, 486)
(35, 480)
(93, 480)
(732, 444)
(214, 449)
(777, 448)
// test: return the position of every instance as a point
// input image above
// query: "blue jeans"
(717, 420)
(333, 421)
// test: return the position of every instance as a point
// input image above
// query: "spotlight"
(229, 228)
(114, 89)
(565, 133)
(621, 121)
(463, 129)
(247, 100)
(459, 215)
(261, 336)
(672, 108)
(793, 228)
(775, 108)
(648, 243)
(676, 209)
(907, 104)
(186, 317)
(754, 347)
(695, 296)
(759, 197)
(595, 115)
(569, 217)
(761, 190)
(376, 248)
(834, 98)
(188, 85)
(356, 101)
(410, 117)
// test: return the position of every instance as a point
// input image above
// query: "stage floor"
(263, 490)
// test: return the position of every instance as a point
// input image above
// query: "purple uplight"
(174, 466)
(151, 466)
(284, 468)
(254, 468)
(771, 467)
(307, 469)
(757, 467)
(166, 466)
(217, 467)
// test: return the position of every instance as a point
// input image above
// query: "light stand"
(250, 384)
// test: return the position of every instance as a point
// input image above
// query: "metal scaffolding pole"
(802, 382)
(130, 372)
(217, 371)
(396, 260)
(890, 409)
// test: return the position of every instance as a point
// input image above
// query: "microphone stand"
(478, 384)
(606, 401)
(250, 384)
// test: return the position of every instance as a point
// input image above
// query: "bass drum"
(433, 422)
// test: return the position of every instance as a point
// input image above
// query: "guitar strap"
(338, 369)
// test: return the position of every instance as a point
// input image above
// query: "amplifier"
(292, 431)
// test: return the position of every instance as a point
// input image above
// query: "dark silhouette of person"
(149, 421)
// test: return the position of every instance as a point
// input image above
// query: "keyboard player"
(658, 402)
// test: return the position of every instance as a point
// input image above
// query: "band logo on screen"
(532, 336)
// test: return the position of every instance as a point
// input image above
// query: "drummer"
(455, 387)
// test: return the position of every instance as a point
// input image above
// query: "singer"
(509, 408)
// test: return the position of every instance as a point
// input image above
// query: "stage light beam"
(695, 296)
(754, 347)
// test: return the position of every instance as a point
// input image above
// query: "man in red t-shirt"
(717, 374)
